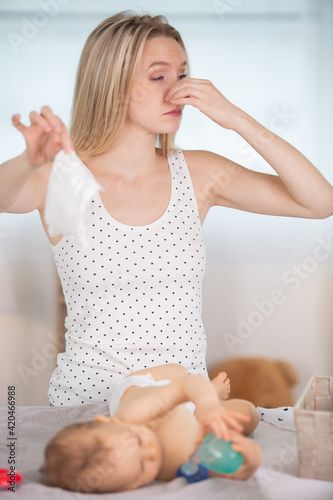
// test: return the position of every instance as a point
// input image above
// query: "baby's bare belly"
(178, 432)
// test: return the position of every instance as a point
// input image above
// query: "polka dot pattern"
(133, 297)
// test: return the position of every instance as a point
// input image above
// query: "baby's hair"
(76, 459)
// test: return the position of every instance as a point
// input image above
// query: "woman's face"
(161, 66)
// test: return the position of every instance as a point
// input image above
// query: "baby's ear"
(108, 420)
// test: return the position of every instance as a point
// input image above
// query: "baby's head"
(104, 455)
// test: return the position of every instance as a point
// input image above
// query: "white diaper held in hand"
(71, 187)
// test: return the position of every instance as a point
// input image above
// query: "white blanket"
(283, 417)
(276, 479)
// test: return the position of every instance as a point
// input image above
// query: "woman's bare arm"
(298, 189)
(23, 179)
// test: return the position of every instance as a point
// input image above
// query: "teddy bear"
(264, 382)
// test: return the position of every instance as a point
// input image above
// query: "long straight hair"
(105, 77)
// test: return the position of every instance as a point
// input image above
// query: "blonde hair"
(105, 77)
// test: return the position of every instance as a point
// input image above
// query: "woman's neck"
(132, 155)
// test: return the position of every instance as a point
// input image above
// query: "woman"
(134, 297)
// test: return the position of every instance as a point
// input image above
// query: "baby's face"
(134, 459)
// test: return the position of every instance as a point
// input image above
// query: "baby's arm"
(144, 404)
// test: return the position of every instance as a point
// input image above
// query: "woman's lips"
(174, 112)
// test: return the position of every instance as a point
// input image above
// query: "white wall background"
(269, 283)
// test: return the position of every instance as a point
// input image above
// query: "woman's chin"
(172, 129)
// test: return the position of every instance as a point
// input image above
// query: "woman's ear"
(107, 420)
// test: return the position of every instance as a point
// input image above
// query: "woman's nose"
(172, 83)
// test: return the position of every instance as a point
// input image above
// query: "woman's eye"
(161, 78)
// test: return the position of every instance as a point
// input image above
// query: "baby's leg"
(222, 385)
(246, 408)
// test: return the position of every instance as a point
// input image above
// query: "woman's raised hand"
(202, 94)
(44, 137)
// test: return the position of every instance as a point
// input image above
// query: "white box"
(314, 428)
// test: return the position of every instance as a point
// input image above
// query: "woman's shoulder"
(204, 163)
(198, 157)
(201, 156)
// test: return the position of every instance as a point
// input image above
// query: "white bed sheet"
(276, 479)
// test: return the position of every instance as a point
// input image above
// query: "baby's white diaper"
(141, 381)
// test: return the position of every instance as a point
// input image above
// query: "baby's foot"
(222, 385)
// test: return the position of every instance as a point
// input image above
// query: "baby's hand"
(250, 450)
(218, 419)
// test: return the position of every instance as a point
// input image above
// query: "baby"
(151, 433)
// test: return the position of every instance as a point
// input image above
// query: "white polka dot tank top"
(133, 297)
